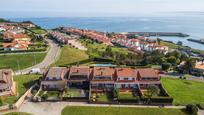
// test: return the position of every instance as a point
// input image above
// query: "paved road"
(201, 112)
(50, 58)
(55, 108)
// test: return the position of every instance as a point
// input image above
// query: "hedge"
(23, 51)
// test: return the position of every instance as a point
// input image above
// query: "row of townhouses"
(65, 39)
(121, 39)
(100, 79)
(138, 44)
(94, 35)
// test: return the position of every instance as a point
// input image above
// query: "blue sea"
(192, 25)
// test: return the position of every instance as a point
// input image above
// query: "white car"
(35, 71)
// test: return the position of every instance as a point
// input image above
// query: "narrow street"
(50, 58)
(55, 108)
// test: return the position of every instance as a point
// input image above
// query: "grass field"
(175, 46)
(24, 60)
(23, 83)
(184, 91)
(71, 56)
(17, 113)
(38, 30)
(119, 111)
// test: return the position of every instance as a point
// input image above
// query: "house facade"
(54, 79)
(78, 76)
(7, 85)
(126, 79)
(100, 79)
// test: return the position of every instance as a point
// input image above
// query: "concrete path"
(201, 112)
(50, 58)
(55, 108)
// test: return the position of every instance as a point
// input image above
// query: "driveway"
(50, 58)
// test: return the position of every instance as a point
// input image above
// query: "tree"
(159, 41)
(172, 60)
(115, 92)
(151, 91)
(166, 66)
(192, 109)
(1, 101)
(189, 65)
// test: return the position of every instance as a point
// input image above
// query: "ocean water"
(192, 25)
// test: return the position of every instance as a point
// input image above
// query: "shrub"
(44, 96)
(115, 93)
(166, 66)
(1, 101)
(192, 109)
(200, 106)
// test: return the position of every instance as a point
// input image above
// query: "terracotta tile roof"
(126, 72)
(147, 72)
(15, 36)
(56, 72)
(103, 71)
(199, 65)
(79, 70)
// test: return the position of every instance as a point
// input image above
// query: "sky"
(95, 8)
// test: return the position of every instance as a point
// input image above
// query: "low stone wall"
(4, 108)
(22, 98)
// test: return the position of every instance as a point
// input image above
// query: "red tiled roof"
(103, 71)
(149, 72)
(15, 36)
(126, 72)
(82, 70)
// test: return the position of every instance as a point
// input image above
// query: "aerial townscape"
(77, 69)
(109, 57)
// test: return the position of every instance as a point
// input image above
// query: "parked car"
(35, 71)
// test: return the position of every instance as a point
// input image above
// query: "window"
(126, 79)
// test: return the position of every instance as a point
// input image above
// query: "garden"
(23, 83)
(49, 95)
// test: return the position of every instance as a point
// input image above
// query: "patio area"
(75, 93)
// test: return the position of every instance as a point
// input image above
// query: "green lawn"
(127, 95)
(23, 83)
(53, 93)
(184, 91)
(120, 49)
(38, 30)
(25, 60)
(17, 113)
(103, 98)
(72, 93)
(76, 110)
(71, 56)
(175, 46)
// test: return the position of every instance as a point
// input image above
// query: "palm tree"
(159, 41)
(189, 65)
